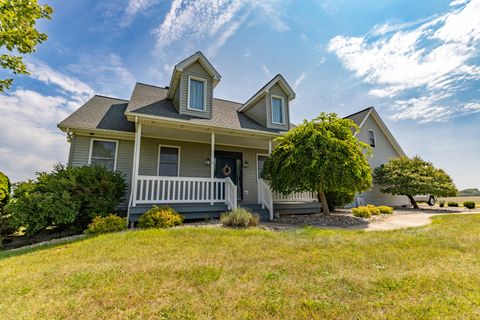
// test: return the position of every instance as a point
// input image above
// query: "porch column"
(136, 161)
(269, 147)
(212, 167)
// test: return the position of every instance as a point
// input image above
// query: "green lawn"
(429, 272)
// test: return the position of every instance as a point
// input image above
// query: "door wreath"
(227, 170)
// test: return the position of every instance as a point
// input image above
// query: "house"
(180, 146)
(384, 147)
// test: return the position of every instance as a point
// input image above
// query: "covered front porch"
(202, 171)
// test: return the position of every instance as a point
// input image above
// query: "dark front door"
(229, 165)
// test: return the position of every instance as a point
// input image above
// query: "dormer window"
(371, 138)
(197, 94)
(277, 110)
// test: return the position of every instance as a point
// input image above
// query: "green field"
(431, 272)
(461, 200)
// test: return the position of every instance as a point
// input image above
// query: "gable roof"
(179, 67)
(361, 116)
(152, 101)
(266, 88)
(100, 112)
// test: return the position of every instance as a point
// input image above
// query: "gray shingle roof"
(151, 100)
(359, 116)
(100, 113)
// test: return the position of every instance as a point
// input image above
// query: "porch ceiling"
(247, 140)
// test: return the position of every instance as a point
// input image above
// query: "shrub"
(373, 210)
(385, 209)
(469, 204)
(160, 217)
(67, 196)
(239, 217)
(441, 203)
(5, 228)
(111, 223)
(362, 212)
(337, 199)
(453, 204)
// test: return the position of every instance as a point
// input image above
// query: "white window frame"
(283, 108)
(262, 155)
(374, 138)
(158, 157)
(104, 140)
(205, 83)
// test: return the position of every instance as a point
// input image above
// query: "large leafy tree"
(321, 156)
(410, 177)
(18, 34)
(4, 197)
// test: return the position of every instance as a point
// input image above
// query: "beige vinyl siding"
(80, 148)
(276, 90)
(381, 153)
(258, 112)
(176, 98)
(195, 70)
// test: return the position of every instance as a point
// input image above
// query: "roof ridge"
(109, 97)
(151, 85)
(227, 100)
(363, 110)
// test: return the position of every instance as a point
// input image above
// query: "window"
(103, 153)
(169, 161)
(196, 94)
(277, 110)
(260, 163)
(371, 138)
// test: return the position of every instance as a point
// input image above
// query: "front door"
(229, 165)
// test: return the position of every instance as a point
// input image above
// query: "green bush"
(469, 204)
(362, 212)
(111, 223)
(65, 197)
(5, 228)
(160, 217)
(373, 210)
(239, 217)
(441, 203)
(385, 209)
(339, 199)
(453, 204)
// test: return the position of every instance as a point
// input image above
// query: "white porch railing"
(265, 196)
(230, 194)
(159, 189)
(295, 197)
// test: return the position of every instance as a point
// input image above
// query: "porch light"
(207, 161)
(245, 165)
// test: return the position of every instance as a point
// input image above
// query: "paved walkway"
(402, 221)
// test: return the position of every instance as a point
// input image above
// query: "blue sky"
(417, 62)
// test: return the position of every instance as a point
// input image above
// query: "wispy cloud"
(299, 80)
(434, 58)
(194, 21)
(266, 71)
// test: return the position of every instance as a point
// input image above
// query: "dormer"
(191, 86)
(270, 105)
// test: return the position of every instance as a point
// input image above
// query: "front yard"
(211, 273)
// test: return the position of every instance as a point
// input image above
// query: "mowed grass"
(192, 273)
(461, 200)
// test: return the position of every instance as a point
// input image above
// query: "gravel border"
(49, 242)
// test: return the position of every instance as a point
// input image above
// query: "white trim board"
(205, 85)
(282, 107)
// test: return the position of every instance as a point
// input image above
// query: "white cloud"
(139, 6)
(433, 56)
(79, 90)
(299, 80)
(194, 21)
(247, 53)
(110, 76)
(266, 71)
(30, 140)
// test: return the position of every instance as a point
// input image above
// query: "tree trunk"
(323, 199)
(412, 201)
